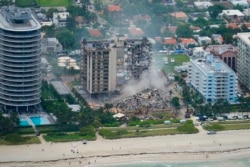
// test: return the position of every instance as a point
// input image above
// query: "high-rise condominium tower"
(20, 59)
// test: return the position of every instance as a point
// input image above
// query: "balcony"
(26, 50)
(17, 95)
(20, 40)
(20, 74)
(20, 59)
(28, 102)
(20, 89)
(19, 79)
(20, 84)
(18, 36)
(22, 55)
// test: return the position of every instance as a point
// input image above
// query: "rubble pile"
(146, 100)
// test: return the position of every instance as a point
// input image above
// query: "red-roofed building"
(134, 31)
(146, 18)
(233, 25)
(114, 8)
(95, 33)
(187, 41)
(170, 41)
(180, 16)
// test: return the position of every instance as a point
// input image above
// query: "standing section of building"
(20, 59)
(95, 73)
(213, 79)
(243, 59)
(109, 64)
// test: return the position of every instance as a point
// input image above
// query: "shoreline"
(174, 149)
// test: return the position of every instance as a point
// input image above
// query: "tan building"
(108, 64)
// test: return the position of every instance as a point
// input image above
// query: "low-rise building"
(180, 16)
(203, 4)
(204, 40)
(60, 19)
(213, 79)
(232, 13)
(227, 53)
(51, 45)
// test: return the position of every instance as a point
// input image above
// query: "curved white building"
(20, 59)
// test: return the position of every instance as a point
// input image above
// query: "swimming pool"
(39, 120)
(23, 122)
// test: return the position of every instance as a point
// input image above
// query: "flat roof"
(60, 87)
(211, 64)
(18, 19)
(245, 36)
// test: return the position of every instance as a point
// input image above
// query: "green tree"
(200, 22)
(175, 102)
(66, 38)
(5, 2)
(215, 10)
(71, 23)
(49, 13)
(98, 5)
(8, 124)
(49, 31)
(183, 30)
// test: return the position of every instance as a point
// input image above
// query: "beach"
(173, 148)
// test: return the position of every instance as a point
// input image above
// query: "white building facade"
(213, 79)
(243, 58)
(20, 59)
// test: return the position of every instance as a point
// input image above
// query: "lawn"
(53, 3)
(154, 130)
(229, 125)
(28, 140)
(169, 68)
(66, 137)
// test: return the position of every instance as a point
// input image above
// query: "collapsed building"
(107, 65)
(144, 102)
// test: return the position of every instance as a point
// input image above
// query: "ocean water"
(241, 162)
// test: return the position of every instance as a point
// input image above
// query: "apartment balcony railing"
(20, 83)
(20, 102)
(24, 74)
(18, 45)
(16, 35)
(24, 50)
(20, 40)
(24, 94)
(21, 54)
(19, 79)
(20, 59)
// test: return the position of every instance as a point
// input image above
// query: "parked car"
(211, 132)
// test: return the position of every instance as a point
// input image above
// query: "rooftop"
(170, 41)
(114, 8)
(211, 64)
(179, 15)
(95, 33)
(17, 19)
(232, 12)
(245, 36)
(135, 31)
(60, 87)
(187, 40)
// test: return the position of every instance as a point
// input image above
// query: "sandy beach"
(176, 148)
